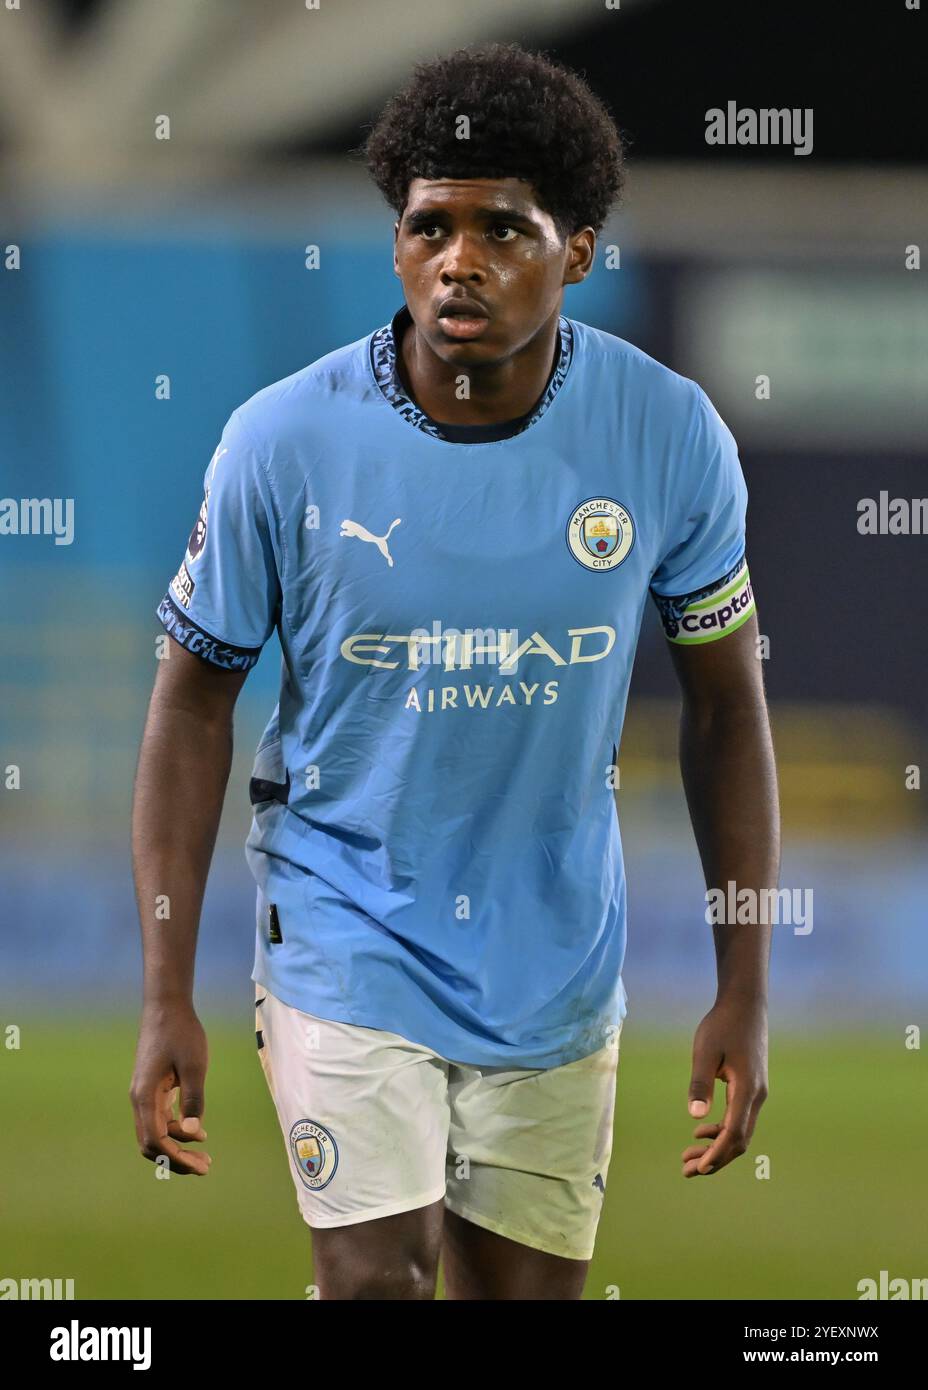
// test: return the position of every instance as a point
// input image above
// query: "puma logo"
(354, 528)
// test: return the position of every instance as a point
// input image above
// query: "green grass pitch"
(845, 1129)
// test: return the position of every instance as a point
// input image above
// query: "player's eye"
(425, 229)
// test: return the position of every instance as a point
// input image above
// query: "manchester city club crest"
(315, 1153)
(600, 533)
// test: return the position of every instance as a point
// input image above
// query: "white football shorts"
(376, 1125)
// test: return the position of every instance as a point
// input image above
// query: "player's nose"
(463, 260)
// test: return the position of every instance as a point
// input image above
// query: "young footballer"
(454, 525)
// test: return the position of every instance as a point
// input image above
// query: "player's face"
(486, 241)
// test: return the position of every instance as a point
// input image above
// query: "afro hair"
(530, 118)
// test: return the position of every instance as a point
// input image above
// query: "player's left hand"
(731, 1046)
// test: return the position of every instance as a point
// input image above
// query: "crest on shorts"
(314, 1152)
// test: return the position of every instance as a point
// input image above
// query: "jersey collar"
(383, 363)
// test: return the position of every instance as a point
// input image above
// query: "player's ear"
(581, 256)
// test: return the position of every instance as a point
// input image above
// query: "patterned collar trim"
(383, 364)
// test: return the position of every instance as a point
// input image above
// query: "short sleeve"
(702, 587)
(222, 604)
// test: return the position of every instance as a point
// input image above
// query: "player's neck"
(498, 392)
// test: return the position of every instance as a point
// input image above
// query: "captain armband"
(709, 613)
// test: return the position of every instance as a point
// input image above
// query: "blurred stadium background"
(186, 257)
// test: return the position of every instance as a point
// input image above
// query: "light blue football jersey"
(435, 838)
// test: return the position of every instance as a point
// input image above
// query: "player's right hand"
(170, 1062)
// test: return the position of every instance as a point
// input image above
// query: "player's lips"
(462, 318)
